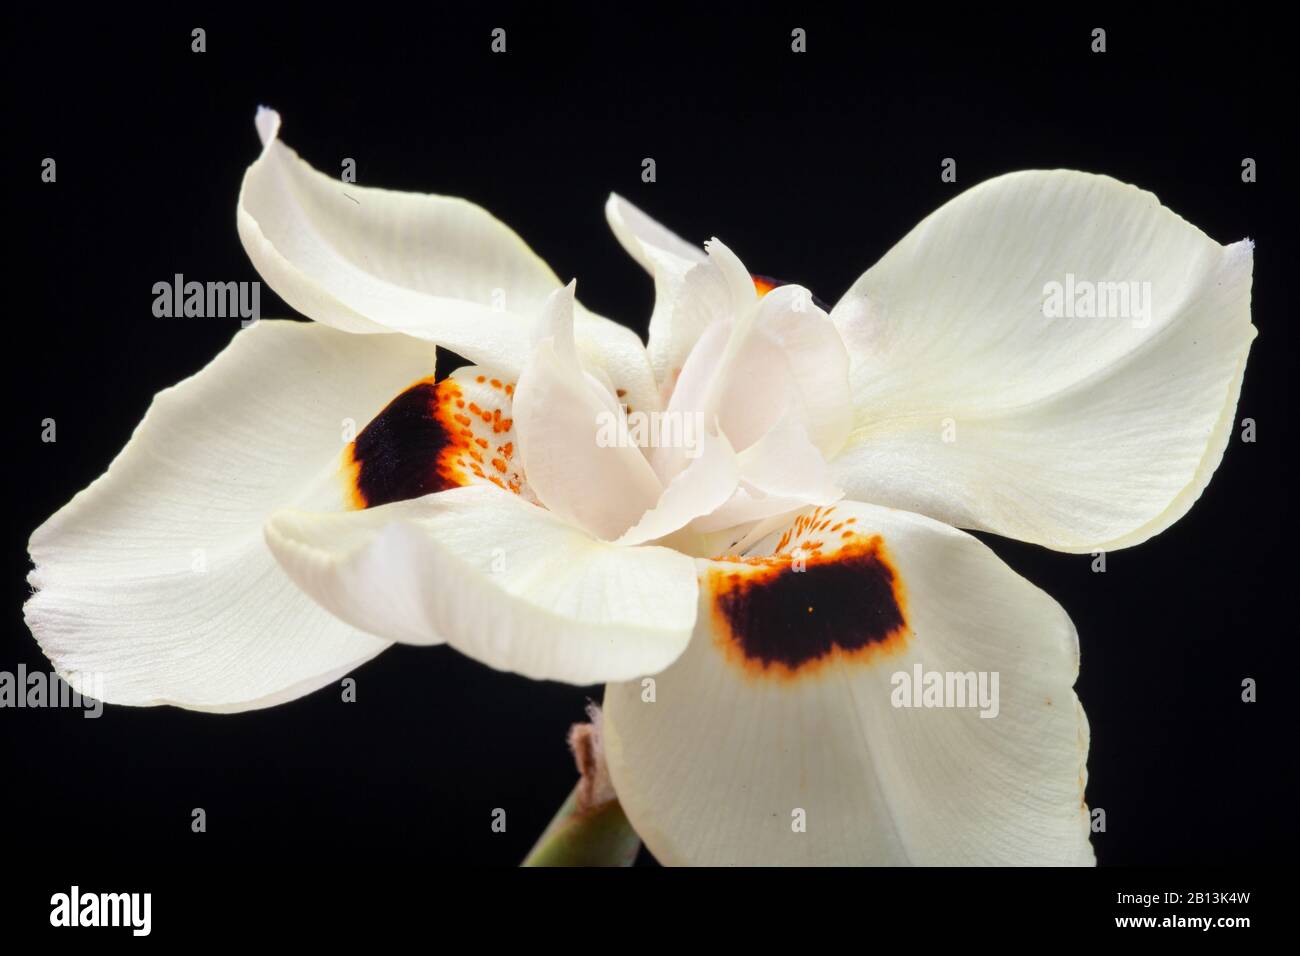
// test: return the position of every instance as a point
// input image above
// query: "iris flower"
(317, 493)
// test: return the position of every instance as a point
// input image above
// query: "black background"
(809, 166)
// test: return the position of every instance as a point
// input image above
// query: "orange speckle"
(450, 452)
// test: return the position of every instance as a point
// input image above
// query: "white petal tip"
(719, 250)
(268, 124)
(562, 298)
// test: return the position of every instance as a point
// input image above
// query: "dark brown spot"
(402, 453)
(791, 613)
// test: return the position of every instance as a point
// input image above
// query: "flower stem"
(597, 836)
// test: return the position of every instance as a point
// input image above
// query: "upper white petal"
(437, 267)
(668, 259)
(1077, 433)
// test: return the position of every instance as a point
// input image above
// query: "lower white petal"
(775, 740)
(154, 586)
(502, 580)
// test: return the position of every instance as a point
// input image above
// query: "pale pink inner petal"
(565, 420)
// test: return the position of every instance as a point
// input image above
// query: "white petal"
(732, 375)
(740, 380)
(702, 487)
(436, 267)
(785, 462)
(156, 577)
(781, 472)
(506, 582)
(781, 711)
(555, 322)
(644, 239)
(561, 414)
(1080, 434)
(818, 364)
(757, 358)
(740, 284)
(668, 259)
(747, 504)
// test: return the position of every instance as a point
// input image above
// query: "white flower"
(770, 578)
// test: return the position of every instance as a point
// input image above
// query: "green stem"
(597, 836)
